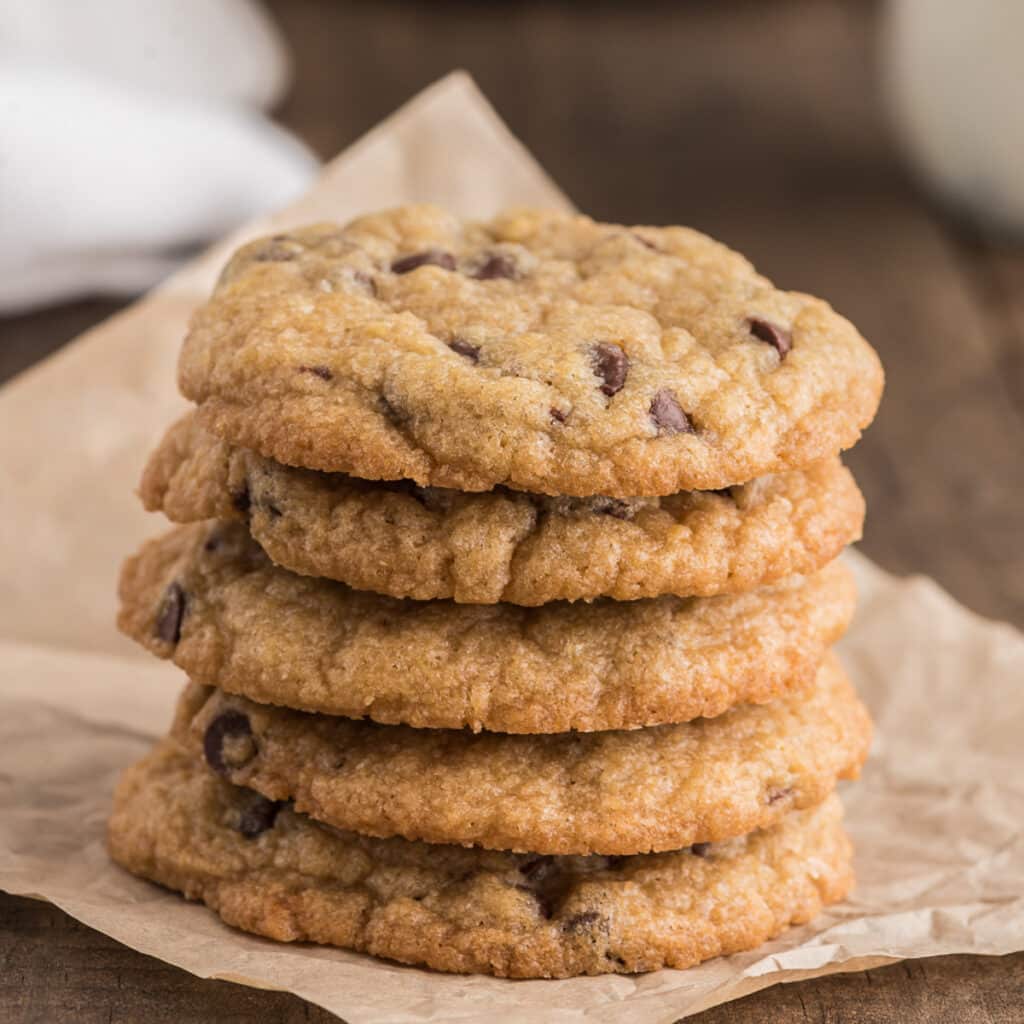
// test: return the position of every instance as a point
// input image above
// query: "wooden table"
(761, 123)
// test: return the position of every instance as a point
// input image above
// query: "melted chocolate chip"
(546, 883)
(611, 364)
(242, 500)
(170, 614)
(317, 371)
(585, 921)
(465, 348)
(557, 415)
(668, 414)
(700, 849)
(228, 742)
(258, 816)
(771, 334)
(496, 266)
(775, 795)
(429, 257)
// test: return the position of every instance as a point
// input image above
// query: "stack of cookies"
(505, 591)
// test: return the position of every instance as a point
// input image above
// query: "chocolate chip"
(170, 614)
(668, 414)
(584, 921)
(495, 266)
(700, 849)
(258, 816)
(429, 257)
(611, 364)
(557, 415)
(546, 883)
(242, 500)
(228, 742)
(772, 334)
(317, 371)
(465, 348)
(775, 795)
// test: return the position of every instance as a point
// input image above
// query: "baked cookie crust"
(502, 545)
(607, 792)
(207, 597)
(543, 351)
(268, 870)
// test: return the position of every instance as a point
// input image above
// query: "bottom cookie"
(266, 869)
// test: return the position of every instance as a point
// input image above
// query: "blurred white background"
(133, 131)
(955, 83)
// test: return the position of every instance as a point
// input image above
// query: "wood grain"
(763, 125)
(53, 969)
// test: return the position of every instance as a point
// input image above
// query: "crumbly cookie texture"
(503, 545)
(211, 600)
(266, 869)
(602, 792)
(542, 350)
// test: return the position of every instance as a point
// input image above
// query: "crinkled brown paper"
(937, 817)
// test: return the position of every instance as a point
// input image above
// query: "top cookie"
(543, 351)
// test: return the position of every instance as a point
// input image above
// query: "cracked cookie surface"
(628, 792)
(504, 545)
(266, 869)
(542, 351)
(208, 597)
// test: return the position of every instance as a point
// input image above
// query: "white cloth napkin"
(130, 132)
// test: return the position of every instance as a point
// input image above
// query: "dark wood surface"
(763, 124)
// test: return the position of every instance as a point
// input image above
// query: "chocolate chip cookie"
(602, 792)
(503, 545)
(211, 600)
(267, 869)
(543, 351)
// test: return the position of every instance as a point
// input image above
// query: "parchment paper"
(937, 817)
